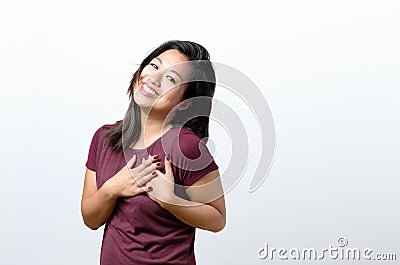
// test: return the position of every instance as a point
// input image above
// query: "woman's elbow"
(90, 225)
(219, 226)
(89, 222)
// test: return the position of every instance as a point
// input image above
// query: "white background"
(328, 69)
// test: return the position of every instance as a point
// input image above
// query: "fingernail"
(158, 164)
(155, 156)
(169, 157)
(154, 173)
(149, 188)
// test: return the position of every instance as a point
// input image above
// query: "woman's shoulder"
(100, 132)
(186, 136)
(185, 132)
(105, 127)
(189, 143)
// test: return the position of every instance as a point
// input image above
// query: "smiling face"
(162, 83)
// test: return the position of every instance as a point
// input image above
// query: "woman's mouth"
(147, 91)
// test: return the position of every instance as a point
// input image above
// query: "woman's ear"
(185, 105)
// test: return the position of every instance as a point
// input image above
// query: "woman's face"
(162, 83)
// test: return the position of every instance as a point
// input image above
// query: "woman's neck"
(152, 122)
(152, 127)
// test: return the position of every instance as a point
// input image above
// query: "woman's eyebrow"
(175, 72)
(159, 60)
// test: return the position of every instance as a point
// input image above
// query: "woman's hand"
(130, 182)
(163, 185)
(199, 211)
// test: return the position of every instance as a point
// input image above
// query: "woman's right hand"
(130, 181)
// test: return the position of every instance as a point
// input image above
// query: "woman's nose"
(155, 79)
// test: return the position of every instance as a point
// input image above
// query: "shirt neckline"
(158, 139)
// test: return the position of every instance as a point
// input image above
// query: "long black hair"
(196, 117)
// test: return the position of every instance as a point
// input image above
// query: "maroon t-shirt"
(140, 231)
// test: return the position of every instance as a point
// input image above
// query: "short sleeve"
(92, 156)
(191, 158)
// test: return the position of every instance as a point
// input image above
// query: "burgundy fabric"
(139, 230)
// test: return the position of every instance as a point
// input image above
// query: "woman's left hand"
(163, 185)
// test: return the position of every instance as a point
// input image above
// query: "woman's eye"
(153, 65)
(171, 79)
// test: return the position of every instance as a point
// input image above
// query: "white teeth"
(149, 90)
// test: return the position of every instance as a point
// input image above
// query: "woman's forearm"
(97, 209)
(196, 214)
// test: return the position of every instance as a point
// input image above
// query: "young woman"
(149, 177)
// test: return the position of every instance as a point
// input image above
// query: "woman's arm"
(206, 208)
(97, 205)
